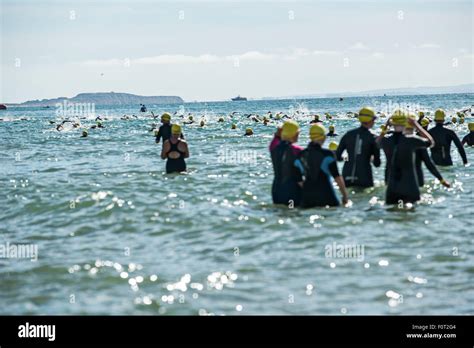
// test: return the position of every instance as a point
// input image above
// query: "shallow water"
(115, 235)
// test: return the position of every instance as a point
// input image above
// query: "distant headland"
(105, 98)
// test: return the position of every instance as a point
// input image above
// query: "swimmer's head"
(221, 119)
(234, 126)
(84, 133)
(470, 126)
(316, 117)
(317, 133)
(421, 114)
(166, 118)
(367, 116)
(399, 120)
(190, 117)
(333, 146)
(408, 125)
(332, 128)
(176, 129)
(454, 119)
(440, 115)
(202, 123)
(290, 131)
(425, 122)
(248, 131)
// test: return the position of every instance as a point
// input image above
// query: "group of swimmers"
(302, 177)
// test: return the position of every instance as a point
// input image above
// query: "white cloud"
(429, 45)
(378, 55)
(359, 46)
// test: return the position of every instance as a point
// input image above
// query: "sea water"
(115, 235)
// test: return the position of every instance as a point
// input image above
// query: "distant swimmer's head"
(84, 133)
(156, 133)
(440, 115)
(399, 120)
(190, 117)
(248, 131)
(277, 116)
(421, 114)
(408, 125)
(234, 126)
(332, 129)
(176, 130)
(454, 119)
(317, 133)
(470, 126)
(290, 131)
(202, 123)
(367, 116)
(333, 146)
(166, 118)
(424, 122)
(221, 119)
(316, 117)
(461, 120)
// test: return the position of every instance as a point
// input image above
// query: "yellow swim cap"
(461, 120)
(425, 122)
(190, 117)
(233, 126)
(470, 126)
(249, 131)
(333, 146)
(166, 117)
(289, 129)
(176, 129)
(399, 118)
(202, 123)
(366, 114)
(316, 117)
(411, 116)
(440, 115)
(331, 128)
(454, 119)
(421, 114)
(317, 132)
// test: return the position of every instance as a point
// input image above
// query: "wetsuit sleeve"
(340, 149)
(464, 140)
(419, 142)
(274, 143)
(299, 166)
(458, 144)
(430, 165)
(329, 166)
(376, 153)
(182, 136)
(158, 136)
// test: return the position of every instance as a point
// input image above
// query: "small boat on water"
(239, 98)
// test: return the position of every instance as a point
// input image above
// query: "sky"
(215, 50)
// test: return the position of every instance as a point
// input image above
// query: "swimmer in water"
(469, 138)
(362, 149)
(175, 150)
(284, 152)
(164, 132)
(443, 137)
(317, 166)
(332, 131)
(248, 132)
(422, 156)
(316, 119)
(400, 150)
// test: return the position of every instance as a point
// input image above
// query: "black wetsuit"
(441, 152)
(285, 188)
(422, 156)
(175, 165)
(402, 178)
(388, 145)
(469, 139)
(164, 132)
(331, 134)
(361, 146)
(318, 165)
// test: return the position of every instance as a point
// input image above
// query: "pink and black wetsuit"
(285, 188)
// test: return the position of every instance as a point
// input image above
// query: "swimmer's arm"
(300, 168)
(165, 150)
(186, 149)
(425, 157)
(423, 133)
(458, 144)
(158, 137)
(376, 154)
(464, 140)
(385, 128)
(342, 187)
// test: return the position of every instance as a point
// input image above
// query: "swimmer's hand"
(346, 201)
(445, 183)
